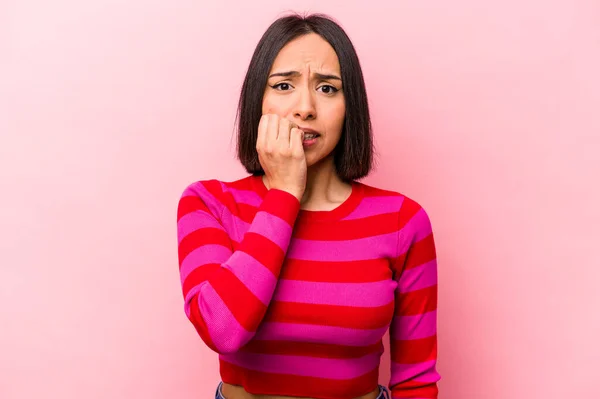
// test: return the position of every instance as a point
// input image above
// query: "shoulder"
(405, 203)
(218, 194)
(215, 187)
(411, 213)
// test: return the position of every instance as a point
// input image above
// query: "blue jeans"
(383, 392)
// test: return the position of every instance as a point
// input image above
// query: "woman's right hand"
(281, 154)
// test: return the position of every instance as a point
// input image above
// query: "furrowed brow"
(320, 76)
(285, 74)
(327, 77)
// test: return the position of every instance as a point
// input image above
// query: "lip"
(308, 130)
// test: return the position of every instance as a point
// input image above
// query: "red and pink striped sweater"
(296, 302)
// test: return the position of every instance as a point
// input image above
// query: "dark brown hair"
(353, 156)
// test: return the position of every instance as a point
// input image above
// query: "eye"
(282, 86)
(328, 89)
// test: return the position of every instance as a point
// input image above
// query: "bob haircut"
(353, 155)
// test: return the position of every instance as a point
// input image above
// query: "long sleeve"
(227, 291)
(413, 332)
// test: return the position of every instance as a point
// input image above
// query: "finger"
(263, 124)
(272, 130)
(285, 125)
(296, 137)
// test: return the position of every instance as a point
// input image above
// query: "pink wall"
(486, 114)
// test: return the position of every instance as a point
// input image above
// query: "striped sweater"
(296, 302)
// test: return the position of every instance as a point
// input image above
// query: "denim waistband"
(383, 392)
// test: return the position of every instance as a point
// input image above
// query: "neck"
(322, 182)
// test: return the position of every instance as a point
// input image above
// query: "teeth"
(309, 136)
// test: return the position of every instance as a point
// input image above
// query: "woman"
(294, 273)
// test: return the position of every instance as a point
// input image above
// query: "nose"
(305, 105)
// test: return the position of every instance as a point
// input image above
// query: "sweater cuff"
(281, 204)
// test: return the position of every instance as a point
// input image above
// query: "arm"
(227, 292)
(413, 332)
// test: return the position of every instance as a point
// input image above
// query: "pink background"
(485, 114)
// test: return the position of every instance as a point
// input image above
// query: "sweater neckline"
(339, 212)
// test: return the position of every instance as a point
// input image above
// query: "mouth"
(309, 134)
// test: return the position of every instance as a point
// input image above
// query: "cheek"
(266, 103)
(338, 114)
(266, 107)
(341, 109)
(271, 106)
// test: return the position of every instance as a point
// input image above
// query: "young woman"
(294, 273)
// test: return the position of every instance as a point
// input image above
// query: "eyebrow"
(296, 74)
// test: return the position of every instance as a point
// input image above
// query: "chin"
(315, 159)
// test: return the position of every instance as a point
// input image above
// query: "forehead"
(310, 49)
